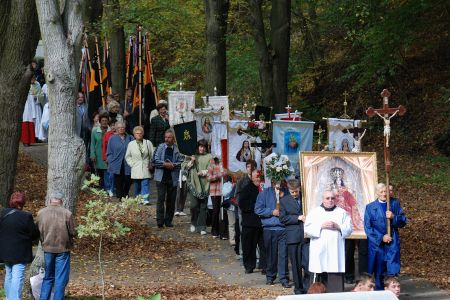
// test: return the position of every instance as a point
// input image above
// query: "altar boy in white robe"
(328, 226)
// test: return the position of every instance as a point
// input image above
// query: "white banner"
(338, 140)
(239, 147)
(217, 102)
(181, 104)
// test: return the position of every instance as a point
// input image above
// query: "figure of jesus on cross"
(384, 114)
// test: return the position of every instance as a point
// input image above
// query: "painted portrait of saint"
(245, 153)
(206, 125)
(291, 142)
(181, 106)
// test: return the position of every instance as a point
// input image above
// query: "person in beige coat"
(138, 156)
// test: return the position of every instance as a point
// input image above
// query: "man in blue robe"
(383, 250)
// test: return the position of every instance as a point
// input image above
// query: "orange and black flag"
(94, 95)
(150, 86)
(134, 74)
(106, 72)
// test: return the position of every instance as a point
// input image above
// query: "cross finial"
(215, 91)
(288, 109)
(319, 131)
(345, 116)
(181, 85)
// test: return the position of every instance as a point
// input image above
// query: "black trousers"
(350, 246)
(165, 205)
(122, 183)
(219, 221)
(333, 281)
(181, 196)
(299, 257)
(251, 238)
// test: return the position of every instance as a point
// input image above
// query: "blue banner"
(292, 137)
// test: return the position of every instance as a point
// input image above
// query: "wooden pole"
(155, 92)
(127, 73)
(100, 74)
(388, 171)
(140, 73)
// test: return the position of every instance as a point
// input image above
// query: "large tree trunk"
(61, 33)
(117, 38)
(19, 38)
(216, 12)
(280, 23)
(263, 52)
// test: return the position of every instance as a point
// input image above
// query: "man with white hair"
(328, 225)
(383, 250)
(57, 228)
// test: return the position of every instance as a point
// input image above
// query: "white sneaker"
(182, 214)
(110, 193)
(146, 202)
(202, 232)
(177, 213)
(192, 228)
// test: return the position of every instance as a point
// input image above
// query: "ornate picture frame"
(352, 176)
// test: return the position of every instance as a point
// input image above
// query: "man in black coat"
(291, 215)
(252, 232)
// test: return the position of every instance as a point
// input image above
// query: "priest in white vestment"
(328, 225)
(31, 117)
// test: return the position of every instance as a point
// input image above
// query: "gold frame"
(366, 189)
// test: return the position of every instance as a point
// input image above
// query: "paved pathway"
(220, 261)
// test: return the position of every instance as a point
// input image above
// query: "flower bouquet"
(278, 167)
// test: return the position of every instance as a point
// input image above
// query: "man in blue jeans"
(57, 228)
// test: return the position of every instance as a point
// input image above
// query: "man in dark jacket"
(252, 233)
(17, 231)
(291, 215)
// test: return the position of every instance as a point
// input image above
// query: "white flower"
(279, 169)
(285, 167)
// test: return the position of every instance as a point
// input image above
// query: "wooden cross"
(345, 116)
(355, 131)
(288, 109)
(384, 113)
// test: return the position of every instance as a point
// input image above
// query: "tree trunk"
(263, 52)
(280, 23)
(66, 152)
(216, 12)
(19, 38)
(117, 38)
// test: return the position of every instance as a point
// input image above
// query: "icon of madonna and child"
(345, 198)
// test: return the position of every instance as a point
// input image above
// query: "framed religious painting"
(351, 176)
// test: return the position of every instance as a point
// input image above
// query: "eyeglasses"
(332, 198)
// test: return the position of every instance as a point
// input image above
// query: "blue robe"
(383, 259)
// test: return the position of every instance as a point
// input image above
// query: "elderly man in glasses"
(328, 225)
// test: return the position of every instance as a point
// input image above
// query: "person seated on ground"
(317, 288)
(365, 283)
(391, 283)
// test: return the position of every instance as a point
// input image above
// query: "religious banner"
(339, 136)
(186, 137)
(218, 103)
(290, 138)
(206, 119)
(218, 138)
(181, 104)
(240, 147)
(351, 176)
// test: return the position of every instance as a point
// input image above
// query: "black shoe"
(169, 225)
(248, 271)
(160, 225)
(263, 272)
(286, 285)
(269, 282)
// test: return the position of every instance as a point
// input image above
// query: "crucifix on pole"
(319, 131)
(386, 113)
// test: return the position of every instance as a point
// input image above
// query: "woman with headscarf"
(139, 153)
(198, 185)
(17, 231)
(117, 165)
